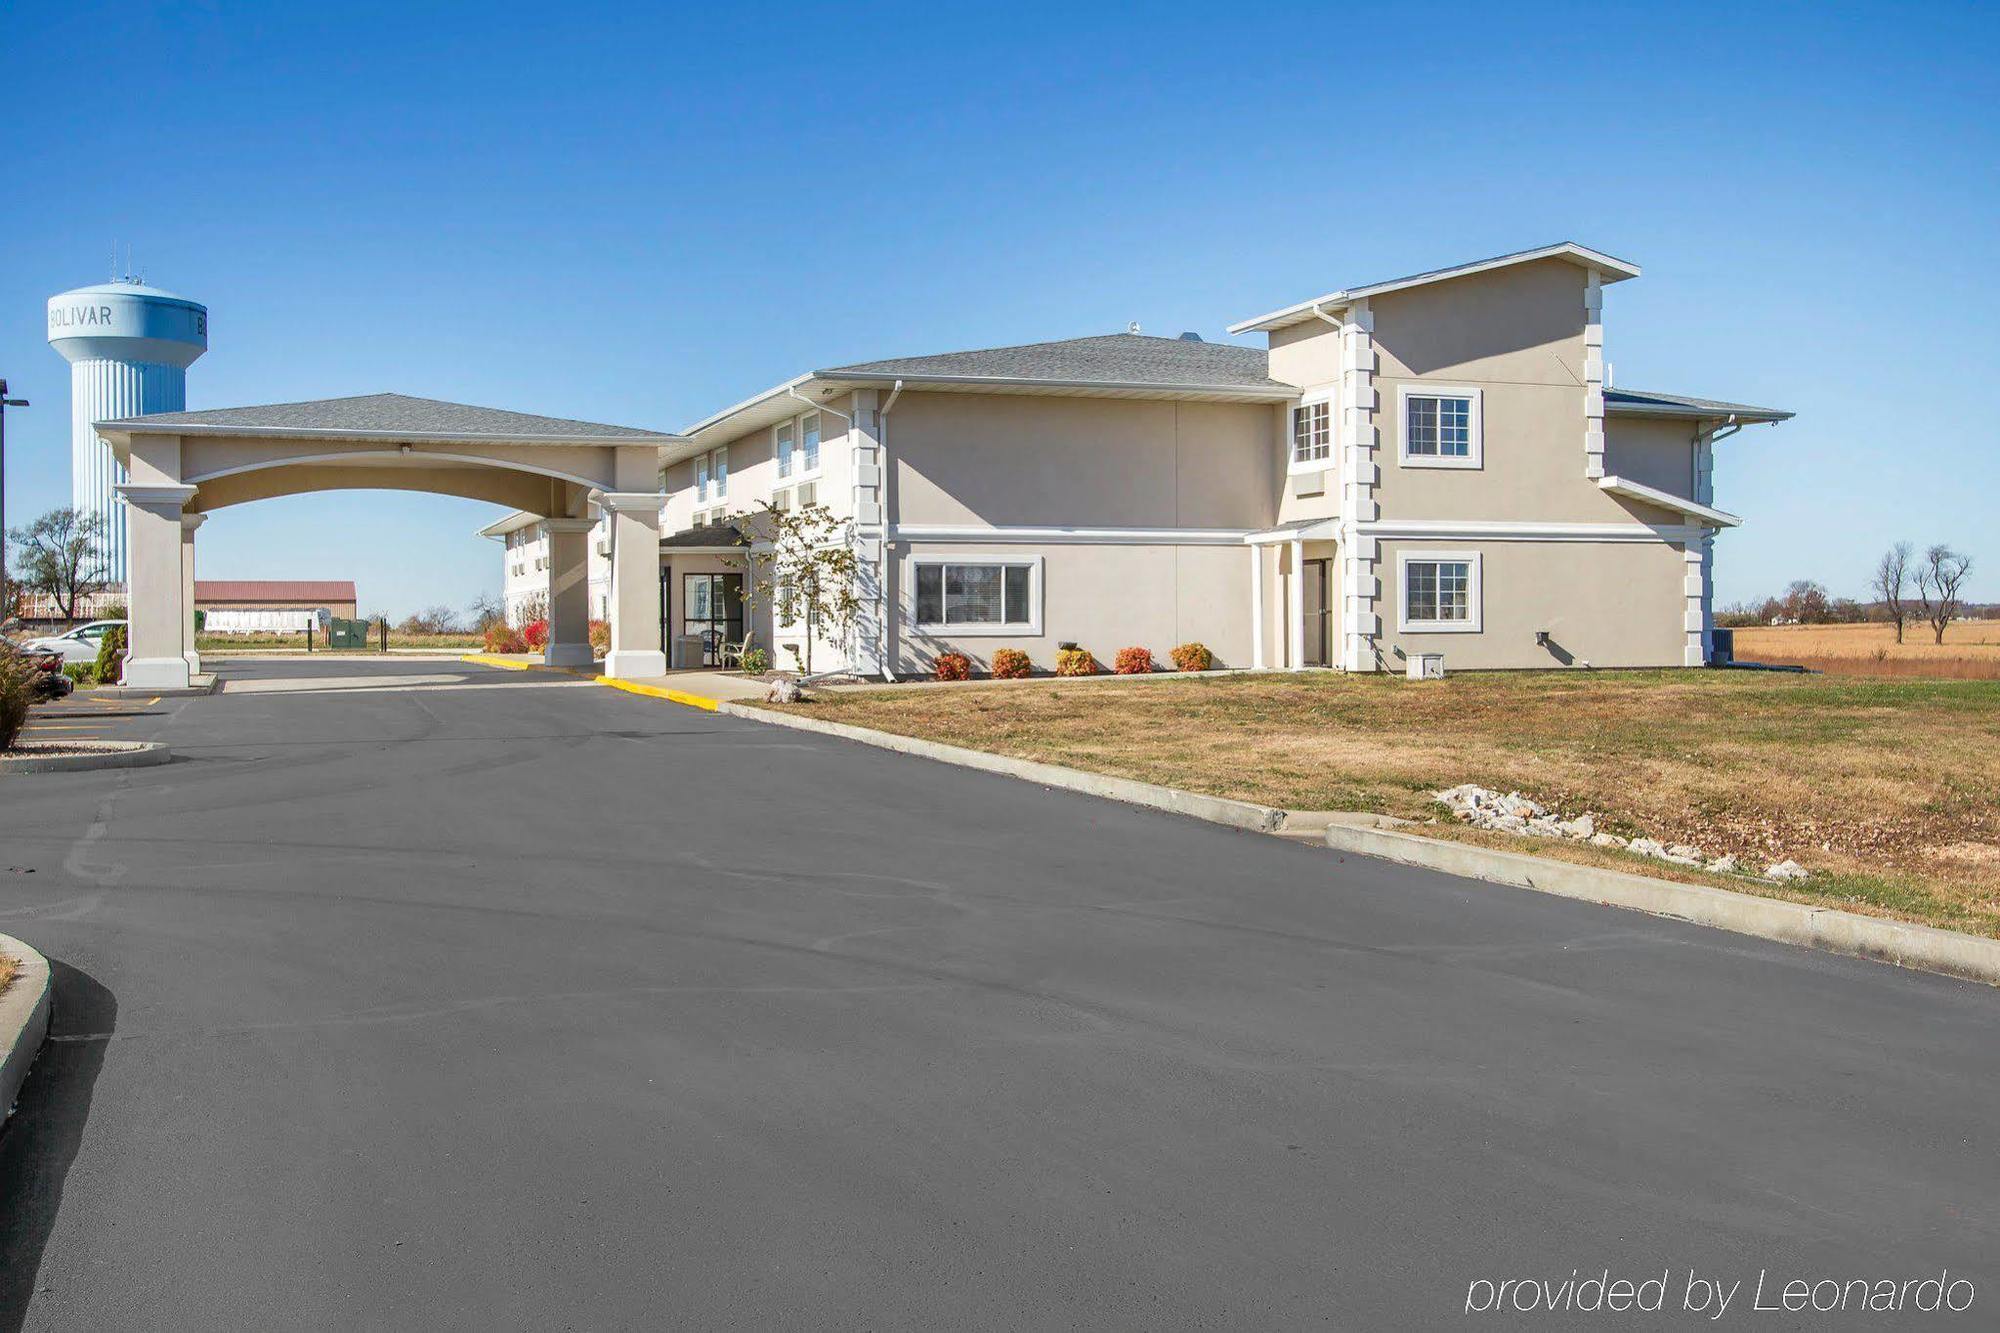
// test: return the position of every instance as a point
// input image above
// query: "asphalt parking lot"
(507, 1000)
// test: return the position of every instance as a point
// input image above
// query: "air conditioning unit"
(1425, 666)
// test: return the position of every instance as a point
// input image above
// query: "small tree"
(431, 620)
(486, 611)
(61, 555)
(1892, 585)
(1939, 579)
(1806, 603)
(808, 574)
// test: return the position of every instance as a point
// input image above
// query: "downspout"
(882, 575)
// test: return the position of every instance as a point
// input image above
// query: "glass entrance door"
(714, 606)
(1318, 614)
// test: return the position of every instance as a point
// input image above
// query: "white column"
(569, 592)
(1359, 436)
(1593, 376)
(155, 619)
(635, 585)
(189, 522)
(869, 537)
(1257, 607)
(1295, 609)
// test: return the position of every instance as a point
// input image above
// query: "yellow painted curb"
(505, 664)
(701, 701)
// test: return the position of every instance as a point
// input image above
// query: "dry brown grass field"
(1888, 790)
(1970, 651)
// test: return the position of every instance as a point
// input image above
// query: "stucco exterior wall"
(1104, 597)
(1011, 460)
(1653, 453)
(1609, 604)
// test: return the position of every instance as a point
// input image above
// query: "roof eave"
(1274, 391)
(122, 431)
(1749, 416)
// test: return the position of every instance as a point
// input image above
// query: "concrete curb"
(205, 684)
(113, 754)
(24, 1019)
(1214, 809)
(701, 701)
(1926, 948)
(504, 663)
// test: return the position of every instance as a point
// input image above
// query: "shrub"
(504, 638)
(111, 655)
(1074, 661)
(755, 661)
(536, 633)
(17, 691)
(83, 673)
(954, 666)
(600, 637)
(1011, 664)
(1133, 661)
(1193, 657)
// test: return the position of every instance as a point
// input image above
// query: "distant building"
(238, 606)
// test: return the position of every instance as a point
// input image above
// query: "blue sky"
(640, 214)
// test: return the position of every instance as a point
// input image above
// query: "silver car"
(79, 645)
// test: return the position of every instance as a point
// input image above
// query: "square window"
(1312, 432)
(1441, 429)
(1440, 592)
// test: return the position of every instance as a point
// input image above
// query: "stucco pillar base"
(157, 673)
(568, 655)
(634, 665)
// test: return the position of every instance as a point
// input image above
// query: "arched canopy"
(186, 464)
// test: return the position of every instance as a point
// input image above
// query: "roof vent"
(1190, 337)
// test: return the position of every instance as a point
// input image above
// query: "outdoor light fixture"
(5, 403)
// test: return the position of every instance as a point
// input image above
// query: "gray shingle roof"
(385, 414)
(712, 534)
(1126, 359)
(1680, 405)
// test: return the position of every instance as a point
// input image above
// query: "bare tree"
(62, 556)
(431, 620)
(486, 611)
(808, 574)
(1939, 579)
(1892, 584)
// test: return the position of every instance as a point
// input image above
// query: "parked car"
(50, 682)
(80, 644)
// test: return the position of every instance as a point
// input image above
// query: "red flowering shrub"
(1074, 661)
(1011, 664)
(600, 637)
(1193, 657)
(954, 666)
(1134, 661)
(536, 632)
(504, 638)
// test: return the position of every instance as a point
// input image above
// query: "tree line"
(1910, 588)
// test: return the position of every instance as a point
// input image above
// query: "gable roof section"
(1112, 365)
(384, 416)
(274, 590)
(1612, 269)
(1641, 403)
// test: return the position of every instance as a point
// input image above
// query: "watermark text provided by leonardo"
(1716, 1296)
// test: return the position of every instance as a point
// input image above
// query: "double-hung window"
(1440, 592)
(1312, 434)
(796, 444)
(784, 446)
(701, 479)
(1442, 427)
(718, 473)
(809, 442)
(978, 594)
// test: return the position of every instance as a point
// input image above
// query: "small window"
(781, 500)
(979, 596)
(785, 449)
(1440, 592)
(1312, 433)
(1441, 427)
(809, 442)
(701, 479)
(808, 494)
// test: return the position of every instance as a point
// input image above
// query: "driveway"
(508, 1001)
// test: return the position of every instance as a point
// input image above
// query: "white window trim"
(799, 471)
(1031, 630)
(1476, 459)
(1474, 594)
(1294, 466)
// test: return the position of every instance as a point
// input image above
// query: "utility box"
(346, 633)
(1425, 666)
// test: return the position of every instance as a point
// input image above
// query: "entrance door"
(714, 605)
(1318, 614)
